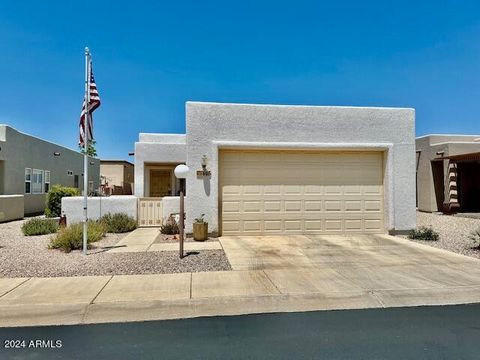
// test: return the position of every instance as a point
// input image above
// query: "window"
(90, 187)
(75, 181)
(37, 181)
(28, 180)
(47, 181)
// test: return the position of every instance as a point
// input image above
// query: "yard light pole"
(181, 172)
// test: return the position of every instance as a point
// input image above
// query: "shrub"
(71, 237)
(424, 233)
(170, 227)
(54, 199)
(38, 226)
(200, 219)
(118, 223)
(475, 237)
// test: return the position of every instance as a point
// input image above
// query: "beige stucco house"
(29, 166)
(448, 173)
(281, 169)
(117, 177)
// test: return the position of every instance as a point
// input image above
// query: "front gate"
(150, 212)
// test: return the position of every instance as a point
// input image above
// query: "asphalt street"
(437, 332)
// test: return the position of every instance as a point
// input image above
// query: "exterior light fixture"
(204, 171)
(181, 172)
(92, 162)
(56, 153)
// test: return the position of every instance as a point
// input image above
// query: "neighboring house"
(29, 166)
(117, 177)
(448, 173)
(274, 169)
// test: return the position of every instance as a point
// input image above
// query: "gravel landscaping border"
(22, 256)
(453, 230)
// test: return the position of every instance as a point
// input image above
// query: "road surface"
(438, 332)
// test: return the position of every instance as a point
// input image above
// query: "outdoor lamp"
(181, 172)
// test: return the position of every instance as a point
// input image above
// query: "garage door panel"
(301, 192)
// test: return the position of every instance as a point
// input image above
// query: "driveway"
(395, 270)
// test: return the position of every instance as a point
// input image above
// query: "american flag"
(92, 106)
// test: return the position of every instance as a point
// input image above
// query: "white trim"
(428, 135)
(45, 182)
(29, 181)
(37, 172)
(300, 145)
(298, 106)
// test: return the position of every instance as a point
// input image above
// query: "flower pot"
(200, 231)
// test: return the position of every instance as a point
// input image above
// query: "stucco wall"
(11, 207)
(168, 149)
(20, 151)
(428, 146)
(98, 206)
(211, 126)
(170, 205)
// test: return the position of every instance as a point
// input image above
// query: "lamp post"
(181, 172)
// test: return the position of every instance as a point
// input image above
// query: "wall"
(11, 207)
(157, 149)
(428, 146)
(98, 206)
(211, 126)
(170, 205)
(113, 173)
(20, 151)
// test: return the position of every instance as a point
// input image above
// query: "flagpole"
(85, 149)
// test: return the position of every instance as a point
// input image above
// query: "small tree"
(54, 199)
(91, 150)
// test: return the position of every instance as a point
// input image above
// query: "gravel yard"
(162, 238)
(453, 230)
(22, 256)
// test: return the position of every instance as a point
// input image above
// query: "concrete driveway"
(397, 271)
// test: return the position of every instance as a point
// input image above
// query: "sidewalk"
(97, 299)
(143, 239)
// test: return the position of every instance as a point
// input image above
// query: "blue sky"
(152, 56)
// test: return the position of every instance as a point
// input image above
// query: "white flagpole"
(85, 148)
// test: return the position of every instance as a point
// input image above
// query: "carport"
(457, 182)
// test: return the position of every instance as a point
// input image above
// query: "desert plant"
(71, 237)
(424, 233)
(475, 237)
(38, 226)
(118, 223)
(54, 199)
(200, 220)
(170, 227)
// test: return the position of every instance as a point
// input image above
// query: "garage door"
(296, 192)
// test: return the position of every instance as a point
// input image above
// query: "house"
(448, 173)
(117, 177)
(277, 169)
(29, 166)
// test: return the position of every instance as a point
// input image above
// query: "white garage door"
(300, 192)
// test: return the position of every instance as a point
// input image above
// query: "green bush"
(475, 237)
(424, 233)
(38, 226)
(170, 227)
(71, 237)
(54, 199)
(118, 223)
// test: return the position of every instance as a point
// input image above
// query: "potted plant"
(200, 229)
